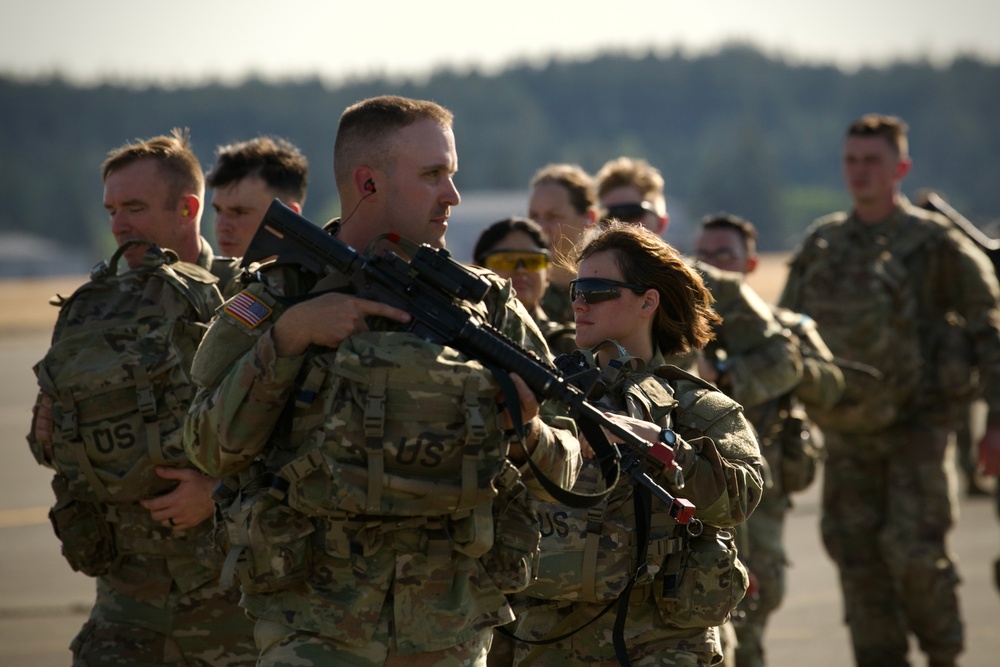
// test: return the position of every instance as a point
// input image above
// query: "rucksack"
(385, 432)
(118, 372)
(862, 297)
(786, 421)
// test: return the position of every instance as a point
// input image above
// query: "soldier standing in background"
(885, 284)
(130, 509)
(517, 249)
(564, 203)
(790, 444)
(246, 177)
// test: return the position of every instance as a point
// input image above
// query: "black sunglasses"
(596, 290)
(632, 212)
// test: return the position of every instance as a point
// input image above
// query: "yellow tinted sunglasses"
(509, 260)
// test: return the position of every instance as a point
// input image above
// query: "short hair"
(685, 318)
(278, 162)
(630, 172)
(496, 232)
(177, 162)
(742, 226)
(577, 182)
(366, 126)
(890, 128)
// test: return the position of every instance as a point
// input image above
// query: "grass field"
(24, 303)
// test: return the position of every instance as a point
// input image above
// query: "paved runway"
(43, 603)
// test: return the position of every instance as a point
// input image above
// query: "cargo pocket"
(512, 562)
(271, 544)
(709, 585)
(87, 542)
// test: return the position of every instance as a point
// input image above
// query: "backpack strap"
(374, 420)
(475, 425)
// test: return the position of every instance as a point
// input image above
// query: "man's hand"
(43, 424)
(327, 320)
(989, 451)
(188, 504)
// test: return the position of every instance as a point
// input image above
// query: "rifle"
(932, 201)
(427, 287)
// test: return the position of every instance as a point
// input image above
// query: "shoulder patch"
(247, 309)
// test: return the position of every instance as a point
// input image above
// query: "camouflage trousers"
(650, 641)
(766, 561)
(202, 628)
(283, 646)
(889, 501)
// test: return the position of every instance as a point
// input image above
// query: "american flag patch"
(248, 309)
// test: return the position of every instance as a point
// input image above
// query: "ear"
(591, 217)
(192, 205)
(361, 177)
(664, 223)
(295, 206)
(751, 264)
(650, 302)
(903, 167)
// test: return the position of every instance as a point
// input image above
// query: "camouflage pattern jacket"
(150, 561)
(750, 348)
(693, 577)
(440, 597)
(953, 281)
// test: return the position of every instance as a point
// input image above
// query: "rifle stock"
(427, 286)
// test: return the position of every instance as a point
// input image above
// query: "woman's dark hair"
(685, 318)
(498, 231)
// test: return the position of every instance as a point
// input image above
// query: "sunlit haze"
(186, 41)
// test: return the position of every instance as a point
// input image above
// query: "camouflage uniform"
(888, 499)
(792, 449)
(226, 269)
(556, 305)
(758, 364)
(158, 604)
(377, 586)
(560, 336)
(718, 454)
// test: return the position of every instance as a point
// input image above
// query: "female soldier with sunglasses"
(518, 249)
(636, 302)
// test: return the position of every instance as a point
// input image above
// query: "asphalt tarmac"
(43, 603)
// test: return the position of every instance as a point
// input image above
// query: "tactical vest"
(386, 432)
(590, 555)
(394, 426)
(864, 301)
(118, 373)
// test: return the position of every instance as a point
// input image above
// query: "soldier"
(788, 441)
(750, 359)
(130, 509)
(518, 249)
(637, 302)
(246, 177)
(563, 201)
(885, 284)
(346, 564)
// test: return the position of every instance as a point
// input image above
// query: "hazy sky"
(191, 40)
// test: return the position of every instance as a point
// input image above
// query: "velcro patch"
(248, 309)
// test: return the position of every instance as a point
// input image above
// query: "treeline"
(737, 130)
